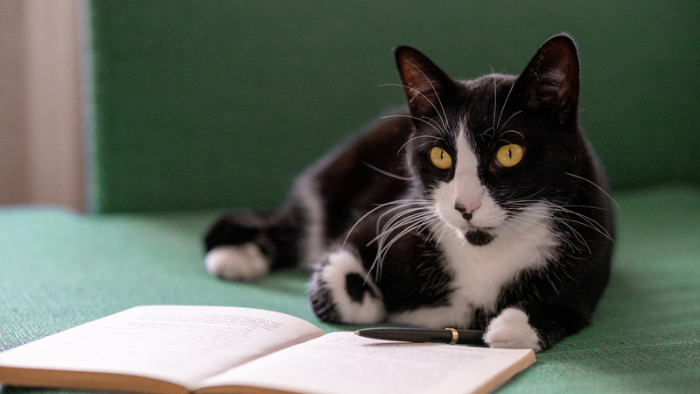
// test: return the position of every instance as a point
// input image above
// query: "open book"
(203, 349)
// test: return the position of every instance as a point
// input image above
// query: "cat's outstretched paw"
(511, 330)
(341, 291)
(238, 263)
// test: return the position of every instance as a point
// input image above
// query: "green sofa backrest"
(218, 104)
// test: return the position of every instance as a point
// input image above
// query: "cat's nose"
(467, 213)
(463, 210)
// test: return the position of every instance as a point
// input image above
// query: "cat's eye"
(440, 158)
(509, 155)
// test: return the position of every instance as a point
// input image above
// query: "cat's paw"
(511, 330)
(341, 291)
(238, 263)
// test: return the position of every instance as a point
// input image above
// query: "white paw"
(239, 263)
(510, 330)
(342, 267)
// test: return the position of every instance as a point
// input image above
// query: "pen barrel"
(465, 337)
(470, 337)
(420, 335)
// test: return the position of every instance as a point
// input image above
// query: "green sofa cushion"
(215, 104)
(60, 269)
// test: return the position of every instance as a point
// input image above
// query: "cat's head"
(491, 150)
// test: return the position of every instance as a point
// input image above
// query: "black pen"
(448, 335)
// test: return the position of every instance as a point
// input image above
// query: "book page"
(341, 363)
(180, 344)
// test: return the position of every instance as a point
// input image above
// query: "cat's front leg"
(511, 329)
(534, 325)
(341, 291)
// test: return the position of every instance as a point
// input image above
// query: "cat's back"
(364, 172)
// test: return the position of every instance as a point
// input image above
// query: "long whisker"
(443, 116)
(495, 102)
(530, 221)
(387, 173)
(417, 137)
(561, 237)
(398, 205)
(415, 224)
(588, 222)
(595, 185)
(372, 211)
(404, 217)
(390, 223)
(431, 124)
(511, 117)
(512, 131)
(583, 220)
(504, 106)
(407, 216)
(574, 217)
(437, 96)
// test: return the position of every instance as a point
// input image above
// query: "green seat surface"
(645, 336)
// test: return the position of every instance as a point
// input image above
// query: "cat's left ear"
(423, 81)
(550, 82)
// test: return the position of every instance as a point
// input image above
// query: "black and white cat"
(480, 206)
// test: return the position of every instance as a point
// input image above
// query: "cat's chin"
(478, 237)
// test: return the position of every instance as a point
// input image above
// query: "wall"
(41, 145)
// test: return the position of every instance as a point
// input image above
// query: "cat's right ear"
(423, 82)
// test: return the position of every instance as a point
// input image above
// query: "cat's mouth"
(478, 237)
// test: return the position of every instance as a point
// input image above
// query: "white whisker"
(495, 102)
(431, 124)
(595, 185)
(406, 216)
(504, 107)
(365, 216)
(565, 217)
(511, 117)
(418, 137)
(443, 116)
(387, 173)
(512, 131)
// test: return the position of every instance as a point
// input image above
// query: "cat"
(479, 205)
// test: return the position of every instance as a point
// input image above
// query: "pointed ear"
(551, 81)
(424, 82)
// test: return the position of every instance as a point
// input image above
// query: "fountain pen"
(449, 335)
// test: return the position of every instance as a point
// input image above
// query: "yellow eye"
(509, 155)
(440, 158)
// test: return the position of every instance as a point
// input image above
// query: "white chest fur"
(480, 272)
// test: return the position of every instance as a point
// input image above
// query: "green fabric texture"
(200, 105)
(60, 270)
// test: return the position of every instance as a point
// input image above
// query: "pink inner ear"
(421, 91)
(423, 81)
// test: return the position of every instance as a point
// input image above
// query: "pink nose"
(466, 213)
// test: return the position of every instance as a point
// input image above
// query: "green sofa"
(200, 107)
